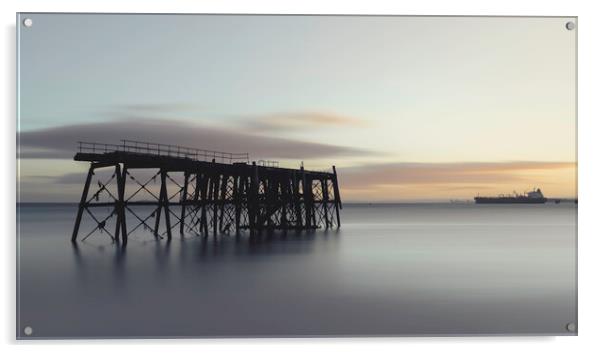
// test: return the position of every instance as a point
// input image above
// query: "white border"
(590, 133)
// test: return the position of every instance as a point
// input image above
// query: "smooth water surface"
(414, 269)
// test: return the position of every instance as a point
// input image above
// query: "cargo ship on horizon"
(535, 196)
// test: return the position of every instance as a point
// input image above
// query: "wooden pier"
(217, 192)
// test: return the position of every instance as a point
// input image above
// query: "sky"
(407, 108)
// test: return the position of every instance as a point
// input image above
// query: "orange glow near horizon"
(555, 181)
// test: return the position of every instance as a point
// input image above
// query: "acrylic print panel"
(247, 175)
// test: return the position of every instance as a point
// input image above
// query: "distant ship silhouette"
(535, 196)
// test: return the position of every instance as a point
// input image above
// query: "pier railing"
(158, 149)
(266, 163)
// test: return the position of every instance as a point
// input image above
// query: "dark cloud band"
(60, 142)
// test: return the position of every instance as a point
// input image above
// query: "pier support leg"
(222, 200)
(269, 201)
(183, 198)
(158, 215)
(82, 204)
(121, 199)
(237, 202)
(285, 200)
(324, 184)
(117, 207)
(310, 203)
(204, 197)
(253, 201)
(165, 202)
(306, 199)
(215, 190)
(337, 195)
(297, 202)
(206, 201)
(246, 187)
(195, 198)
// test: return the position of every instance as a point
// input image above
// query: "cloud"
(444, 173)
(61, 142)
(307, 120)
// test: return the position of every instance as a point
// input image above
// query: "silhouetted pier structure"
(217, 192)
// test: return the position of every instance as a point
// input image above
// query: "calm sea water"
(415, 269)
